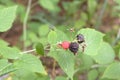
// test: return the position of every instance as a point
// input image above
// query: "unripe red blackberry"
(65, 45)
(80, 38)
(74, 46)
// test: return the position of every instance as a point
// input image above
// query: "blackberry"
(80, 38)
(74, 46)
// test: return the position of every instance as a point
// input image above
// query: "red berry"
(65, 45)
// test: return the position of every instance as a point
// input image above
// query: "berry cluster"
(73, 46)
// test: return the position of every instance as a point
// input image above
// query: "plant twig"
(28, 51)
(53, 70)
(117, 38)
(98, 23)
(25, 24)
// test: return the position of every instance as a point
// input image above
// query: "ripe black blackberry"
(73, 47)
(80, 38)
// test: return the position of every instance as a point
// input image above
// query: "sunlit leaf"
(105, 54)
(112, 71)
(7, 16)
(93, 40)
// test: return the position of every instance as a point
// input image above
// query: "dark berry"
(80, 38)
(74, 46)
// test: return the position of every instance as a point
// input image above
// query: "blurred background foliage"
(68, 17)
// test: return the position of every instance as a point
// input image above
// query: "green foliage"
(51, 5)
(6, 23)
(9, 53)
(66, 61)
(6, 67)
(40, 48)
(60, 78)
(104, 57)
(93, 40)
(52, 37)
(92, 75)
(92, 4)
(98, 59)
(112, 71)
(43, 30)
(31, 63)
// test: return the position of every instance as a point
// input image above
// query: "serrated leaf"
(40, 48)
(23, 74)
(3, 63)
(9, 53)
(31, 63)
(66, 61)
(93, 39)
(112, 71)
(6, 67)
(105, 54)
(7, 16)
(52, 37)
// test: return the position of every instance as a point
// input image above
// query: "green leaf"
(61, 36)
(7, 16)
(51, 5)
(43, 30)
(66, 61)
(52, 37)
(6, 67)
(23, 74)
(60, 78)
(93, 39)
(86, 61)
(3, 63)
(91, 7)
(3, 43)
(92, 75)
(31, 63)
(9, 53)
(40, 48)
(105, 54)
(112, 71)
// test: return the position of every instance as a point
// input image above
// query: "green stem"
(98, 23)
(117, 38)
(25, 24)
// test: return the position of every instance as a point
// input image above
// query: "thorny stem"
(25, 24)
(101, 15)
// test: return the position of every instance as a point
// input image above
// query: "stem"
(25, 24)
(53, 70)
(97, 65)
(98, 23)
(117, 38)
(28, 51)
